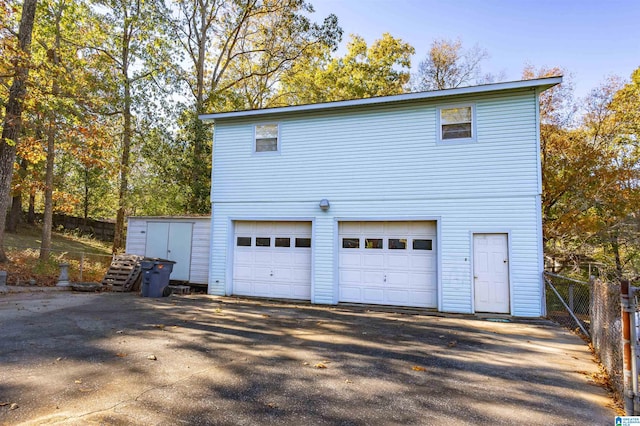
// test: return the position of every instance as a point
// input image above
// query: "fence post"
(81, 264)
(626, 348)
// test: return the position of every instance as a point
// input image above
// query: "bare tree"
(448, 65)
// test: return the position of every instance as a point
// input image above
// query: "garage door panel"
(373, 277)
(302, 259)
(397, 297)
(350, 259)
(279, 269)
(392, 273)
(373, 295)
(242, 286)
(349, 276)
(397, 279)
(243, 272)
(398, 261)
(243, 257)
(350, 293)
(423, 262)
(373, 260)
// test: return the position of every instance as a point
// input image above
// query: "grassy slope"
(23, 248)
(30, 237)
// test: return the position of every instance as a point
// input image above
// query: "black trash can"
(155, 276)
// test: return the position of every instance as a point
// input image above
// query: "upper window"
(266, 137)
(456, 123)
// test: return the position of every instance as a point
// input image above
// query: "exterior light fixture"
(324, 205)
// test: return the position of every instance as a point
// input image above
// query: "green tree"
(365, 71)
(232, 45)
(136, 53)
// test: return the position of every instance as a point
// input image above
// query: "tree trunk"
(118, 238)
(15, 214)
(47, 220)
(13, 116)
(31, 213)
(13, 220)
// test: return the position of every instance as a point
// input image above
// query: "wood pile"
(124, 274)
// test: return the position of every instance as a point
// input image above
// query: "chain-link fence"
(593, 310)
(606, 328)
(568, 302)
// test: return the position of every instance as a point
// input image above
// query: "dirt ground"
(69, 358)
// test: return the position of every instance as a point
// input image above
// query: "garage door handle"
(385, 278)
(475, 277)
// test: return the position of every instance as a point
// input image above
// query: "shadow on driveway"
(88, 359)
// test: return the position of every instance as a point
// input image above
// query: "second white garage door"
(272, 259)
(389, 263)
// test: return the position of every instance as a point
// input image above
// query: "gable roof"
(540, 83)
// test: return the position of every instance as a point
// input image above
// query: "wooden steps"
(124, 273)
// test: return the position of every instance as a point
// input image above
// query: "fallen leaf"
(265, 316)
(418, 368)
(79, 381)
(320, 365)
(348, 381)
(14, 406)
(59, 359)
(160, 326)
(305, 363)
(119, 331)
(121, 354)
(452, 343)
(152, 357)
(271, 405)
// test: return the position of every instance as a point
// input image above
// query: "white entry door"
(491, 273)
(388, 263)
(272, 259)
(171, 241)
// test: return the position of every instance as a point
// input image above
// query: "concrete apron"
(71, 358)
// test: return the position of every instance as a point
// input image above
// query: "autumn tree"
(448, 65)
(378, 70)
(228, 43)
(12, 120)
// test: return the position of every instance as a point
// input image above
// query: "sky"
(590, 39)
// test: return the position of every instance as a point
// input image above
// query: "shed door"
(272, 259)
(172, 241)
(389, 263)
(491, 273)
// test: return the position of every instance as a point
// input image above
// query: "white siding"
(199, 271)
(382, 163)
(458, 220)
(381, 153)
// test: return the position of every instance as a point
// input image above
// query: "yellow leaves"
(121, 355)
(418, 368)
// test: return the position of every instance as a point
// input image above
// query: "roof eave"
(541, 84)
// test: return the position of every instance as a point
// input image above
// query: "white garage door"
(389, 263)
(272, 259)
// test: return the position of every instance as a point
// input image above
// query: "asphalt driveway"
(120, 359)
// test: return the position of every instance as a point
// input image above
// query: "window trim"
(255, 138)
(473, 138)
